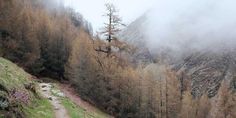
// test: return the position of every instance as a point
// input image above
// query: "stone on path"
(48, 92)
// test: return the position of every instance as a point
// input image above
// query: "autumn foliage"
(57, 42)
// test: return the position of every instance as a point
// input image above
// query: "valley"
(175, 60)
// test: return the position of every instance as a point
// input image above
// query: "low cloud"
(190, 25)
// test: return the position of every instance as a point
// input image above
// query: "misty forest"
(175, 60)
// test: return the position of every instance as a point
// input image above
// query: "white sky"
(92, 10)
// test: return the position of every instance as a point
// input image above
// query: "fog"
(192, 25)
(179, 25)
(93, 10)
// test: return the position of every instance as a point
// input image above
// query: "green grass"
(14, 77)
(40, 108)
(72, 109)
(75, 111)
(11, 76)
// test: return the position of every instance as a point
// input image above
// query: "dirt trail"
(70, 93)
(59, 110)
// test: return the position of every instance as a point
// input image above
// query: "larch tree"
(188, 108)
(225, 106)
(172, 94)
(112, 27)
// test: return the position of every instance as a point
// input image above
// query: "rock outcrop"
(207, 70)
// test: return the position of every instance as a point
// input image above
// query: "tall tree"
(113, 26)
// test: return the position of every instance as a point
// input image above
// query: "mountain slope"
(205, 68)
(134, 35)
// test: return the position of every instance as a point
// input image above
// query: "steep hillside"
(24, 97)
(167, 76)
(134, 35)
(37, 35)
(18, 92)
(205, 69)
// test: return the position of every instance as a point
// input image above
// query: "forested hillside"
(38, 37)
(48, 39)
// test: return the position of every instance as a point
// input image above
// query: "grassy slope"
(13, 77)
(41, 108)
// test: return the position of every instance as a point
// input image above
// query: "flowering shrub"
(18, 97)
